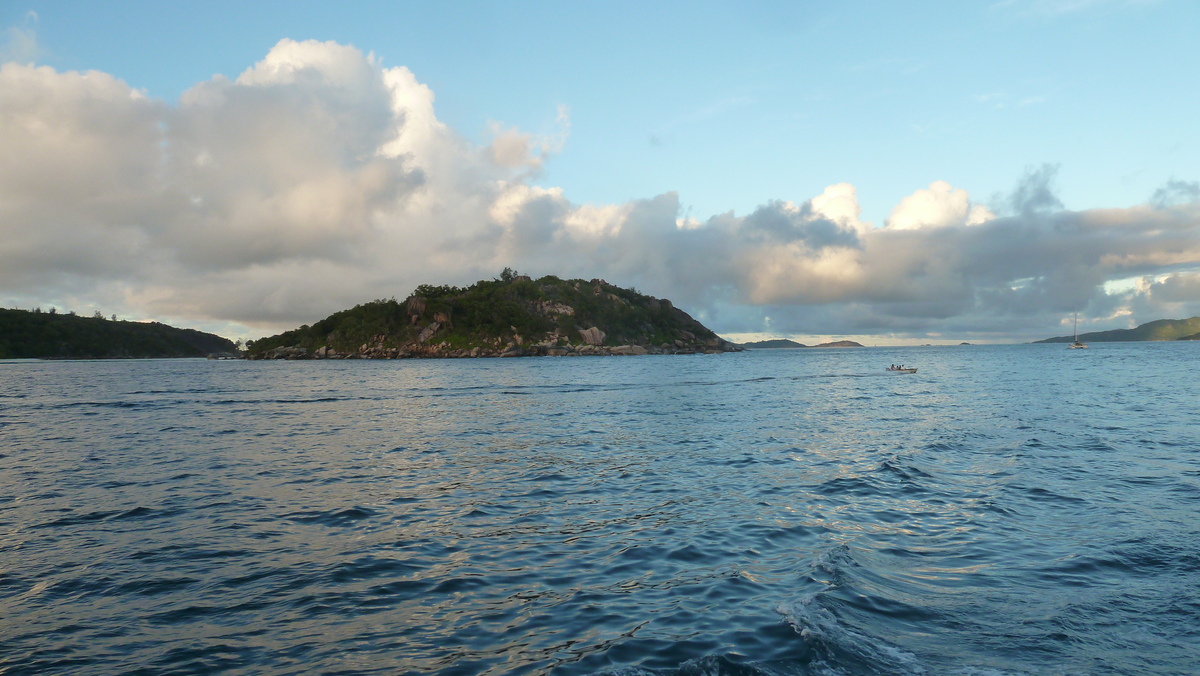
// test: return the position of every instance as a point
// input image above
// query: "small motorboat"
(900, 369)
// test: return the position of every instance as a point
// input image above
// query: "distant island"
(785, 344)
(512, 316)
(777, 344)
(1161, 329)
(28, 334)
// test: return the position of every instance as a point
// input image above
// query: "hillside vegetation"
(506, 317)
(47, 335)
(1161, 329)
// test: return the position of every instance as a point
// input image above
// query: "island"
(777, 344)
(510, 316)
(785, 344)
(1160, 329)
(26, 334)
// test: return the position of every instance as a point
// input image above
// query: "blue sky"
(727, 107)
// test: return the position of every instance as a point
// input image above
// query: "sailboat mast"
(1076, 344)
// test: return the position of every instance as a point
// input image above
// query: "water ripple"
(797, 512)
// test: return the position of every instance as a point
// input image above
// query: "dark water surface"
(1007, 510)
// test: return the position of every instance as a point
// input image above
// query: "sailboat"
(1077, 345)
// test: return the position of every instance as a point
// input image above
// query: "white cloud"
(517, 149)
(839, 203)
(938, 206)
(318, 179)
(19, 44)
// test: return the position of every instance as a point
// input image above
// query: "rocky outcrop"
(428, 331)
(629, 349)
(553, 308)
(287, 353)
(592, 336)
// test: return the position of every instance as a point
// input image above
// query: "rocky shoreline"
(592, 347)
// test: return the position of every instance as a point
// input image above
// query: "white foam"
(835, 642)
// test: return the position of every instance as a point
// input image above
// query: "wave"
(834, 648)
(333, 518)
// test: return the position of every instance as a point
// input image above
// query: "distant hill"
(777, 344)
(1162, 329)
(783, 343)
(511, 316)
(45, 335)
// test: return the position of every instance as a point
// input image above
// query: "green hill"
(45, 335)
(506, 317)
(1161, 329)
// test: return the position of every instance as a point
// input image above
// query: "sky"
(893, 173)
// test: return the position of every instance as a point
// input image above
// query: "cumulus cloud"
(319, 178)
(79, 184)
(938, 206)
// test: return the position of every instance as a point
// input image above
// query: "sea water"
(1022, 509)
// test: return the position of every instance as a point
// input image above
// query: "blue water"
(1020, 509)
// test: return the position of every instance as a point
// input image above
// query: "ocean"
(1009, 509)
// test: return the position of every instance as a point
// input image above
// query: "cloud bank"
(319, 178)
